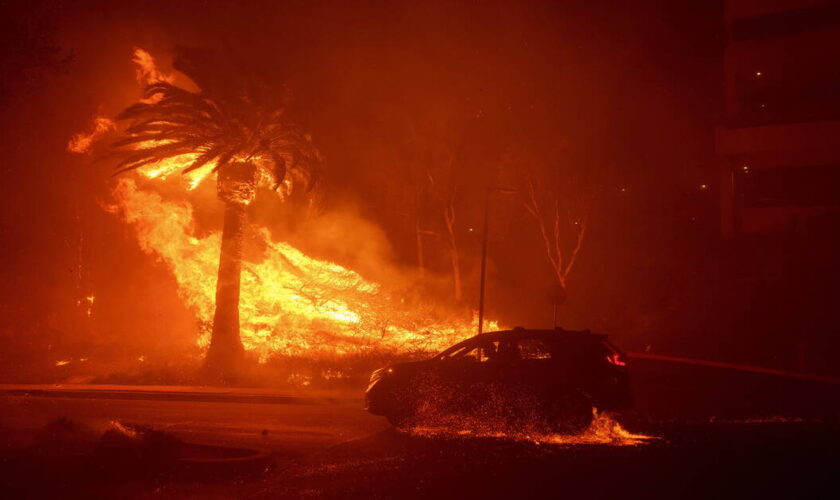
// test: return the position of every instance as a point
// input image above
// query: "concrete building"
(779, 149)
(779, 161)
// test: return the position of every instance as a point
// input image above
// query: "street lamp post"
(484, 252)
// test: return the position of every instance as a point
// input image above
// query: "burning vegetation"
(291, 304)
(262, 296)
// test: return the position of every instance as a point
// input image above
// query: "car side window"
(482, 352)
(472, 354)
(530, 349)
(489, 351)
(457, 353)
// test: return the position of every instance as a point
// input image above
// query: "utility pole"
(484, 252)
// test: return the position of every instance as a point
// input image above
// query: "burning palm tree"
(245, 137)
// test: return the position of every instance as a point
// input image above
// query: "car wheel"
(521, 409)
(571, 413)
(398, 421)
(401, 421)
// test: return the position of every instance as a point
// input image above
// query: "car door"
(536, 370)
(467, 374)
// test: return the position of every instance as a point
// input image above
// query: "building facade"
(779, 162)
(779, 148)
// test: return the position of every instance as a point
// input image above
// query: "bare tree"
(446, 195)
(560, 204)
(419, 205)
(437, 186)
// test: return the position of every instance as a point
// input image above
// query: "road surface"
(329, 447)
(290, 425)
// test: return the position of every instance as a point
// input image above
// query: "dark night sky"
(633, 90)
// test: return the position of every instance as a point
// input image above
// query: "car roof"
(575, 336)
(555, 334)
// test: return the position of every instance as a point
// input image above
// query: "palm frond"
(278, 170)
(205, 158)
(134, 166)
(157, 153)
(169, 135)
(248, 123)
(134, 111)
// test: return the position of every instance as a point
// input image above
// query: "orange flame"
(81, 143)
(147, 71)
(290, 303)
(163, 169)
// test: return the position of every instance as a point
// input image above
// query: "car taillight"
(616, 359)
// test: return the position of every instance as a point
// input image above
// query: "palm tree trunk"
(226, 349)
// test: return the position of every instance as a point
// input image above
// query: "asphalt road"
(285, 425)
(329, 447)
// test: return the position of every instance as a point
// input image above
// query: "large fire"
(290, 303)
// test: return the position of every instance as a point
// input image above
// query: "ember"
(603, 430)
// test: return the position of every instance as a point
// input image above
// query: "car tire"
(519, 408)
(569, 413)
(400, 421)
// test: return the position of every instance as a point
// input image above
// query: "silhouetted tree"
(559, 202)
(438, 183)
(562, 218)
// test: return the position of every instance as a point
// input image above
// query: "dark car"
(555, 376)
